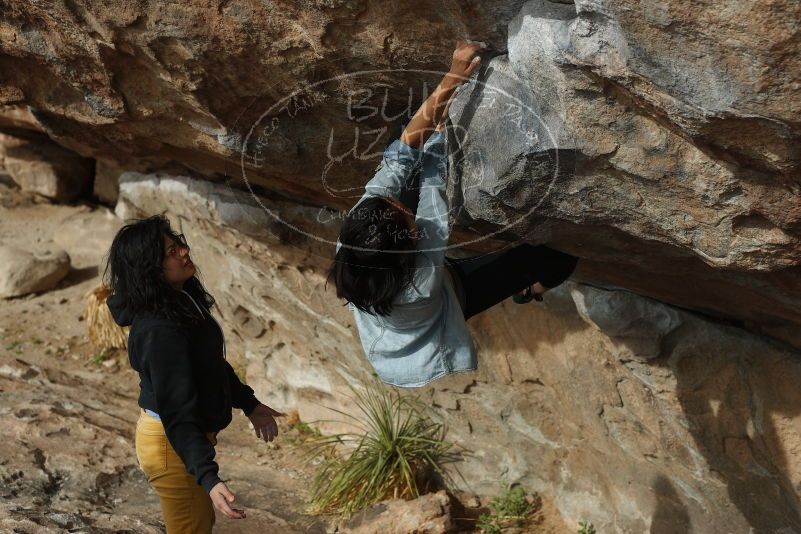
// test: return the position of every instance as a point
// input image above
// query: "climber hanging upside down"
(410, 301)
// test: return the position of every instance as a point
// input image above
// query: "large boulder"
(621, 410)
(23, 272)
(187, 81)
(619, 132)
(658, 141)
(87, 235)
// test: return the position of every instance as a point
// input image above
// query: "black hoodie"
(185, 378)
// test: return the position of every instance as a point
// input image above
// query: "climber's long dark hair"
(376, 259)
(135, 275)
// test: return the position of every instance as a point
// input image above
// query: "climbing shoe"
(526, 296)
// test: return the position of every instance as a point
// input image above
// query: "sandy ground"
(67, 459)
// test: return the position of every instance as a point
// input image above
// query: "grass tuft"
(98, 358)
(509, 509)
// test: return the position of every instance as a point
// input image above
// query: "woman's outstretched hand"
(263, 419)
(464, 62)
(221, 497)
(431, 114)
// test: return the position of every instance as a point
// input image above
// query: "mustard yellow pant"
(185, 505)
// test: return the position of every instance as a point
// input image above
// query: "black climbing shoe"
(526, 296)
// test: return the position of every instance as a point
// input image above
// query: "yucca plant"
(400, 453)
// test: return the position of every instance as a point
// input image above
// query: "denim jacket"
(425, 337)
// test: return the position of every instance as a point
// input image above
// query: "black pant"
(489, 279)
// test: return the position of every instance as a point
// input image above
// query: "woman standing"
(409, 300)
(187, 387)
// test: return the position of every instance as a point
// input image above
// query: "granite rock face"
(625, 411)
(660, 141)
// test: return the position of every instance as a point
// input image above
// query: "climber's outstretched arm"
(441, 124)
(428, 117)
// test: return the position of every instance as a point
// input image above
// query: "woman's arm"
(433, 213)
(441, 124)
(242, 395)
(430, 114)
(432, 208)
(402, 155)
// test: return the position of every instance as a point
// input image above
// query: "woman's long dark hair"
(135, 274)
(376, 259)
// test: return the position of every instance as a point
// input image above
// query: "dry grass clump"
(103, 332)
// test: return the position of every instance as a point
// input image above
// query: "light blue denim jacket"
(425, 337)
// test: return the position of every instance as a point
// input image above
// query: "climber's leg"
(491, 278)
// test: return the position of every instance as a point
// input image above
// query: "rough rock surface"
(23, 272)
(625, 411)
(185, 82)
(672, 128)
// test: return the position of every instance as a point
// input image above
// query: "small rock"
(531, 499)
(18, 369)
(428, 514)
(472, 502)
(65, 520)
(107, 180)
(22, 272)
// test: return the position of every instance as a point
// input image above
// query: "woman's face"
(177, 265)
